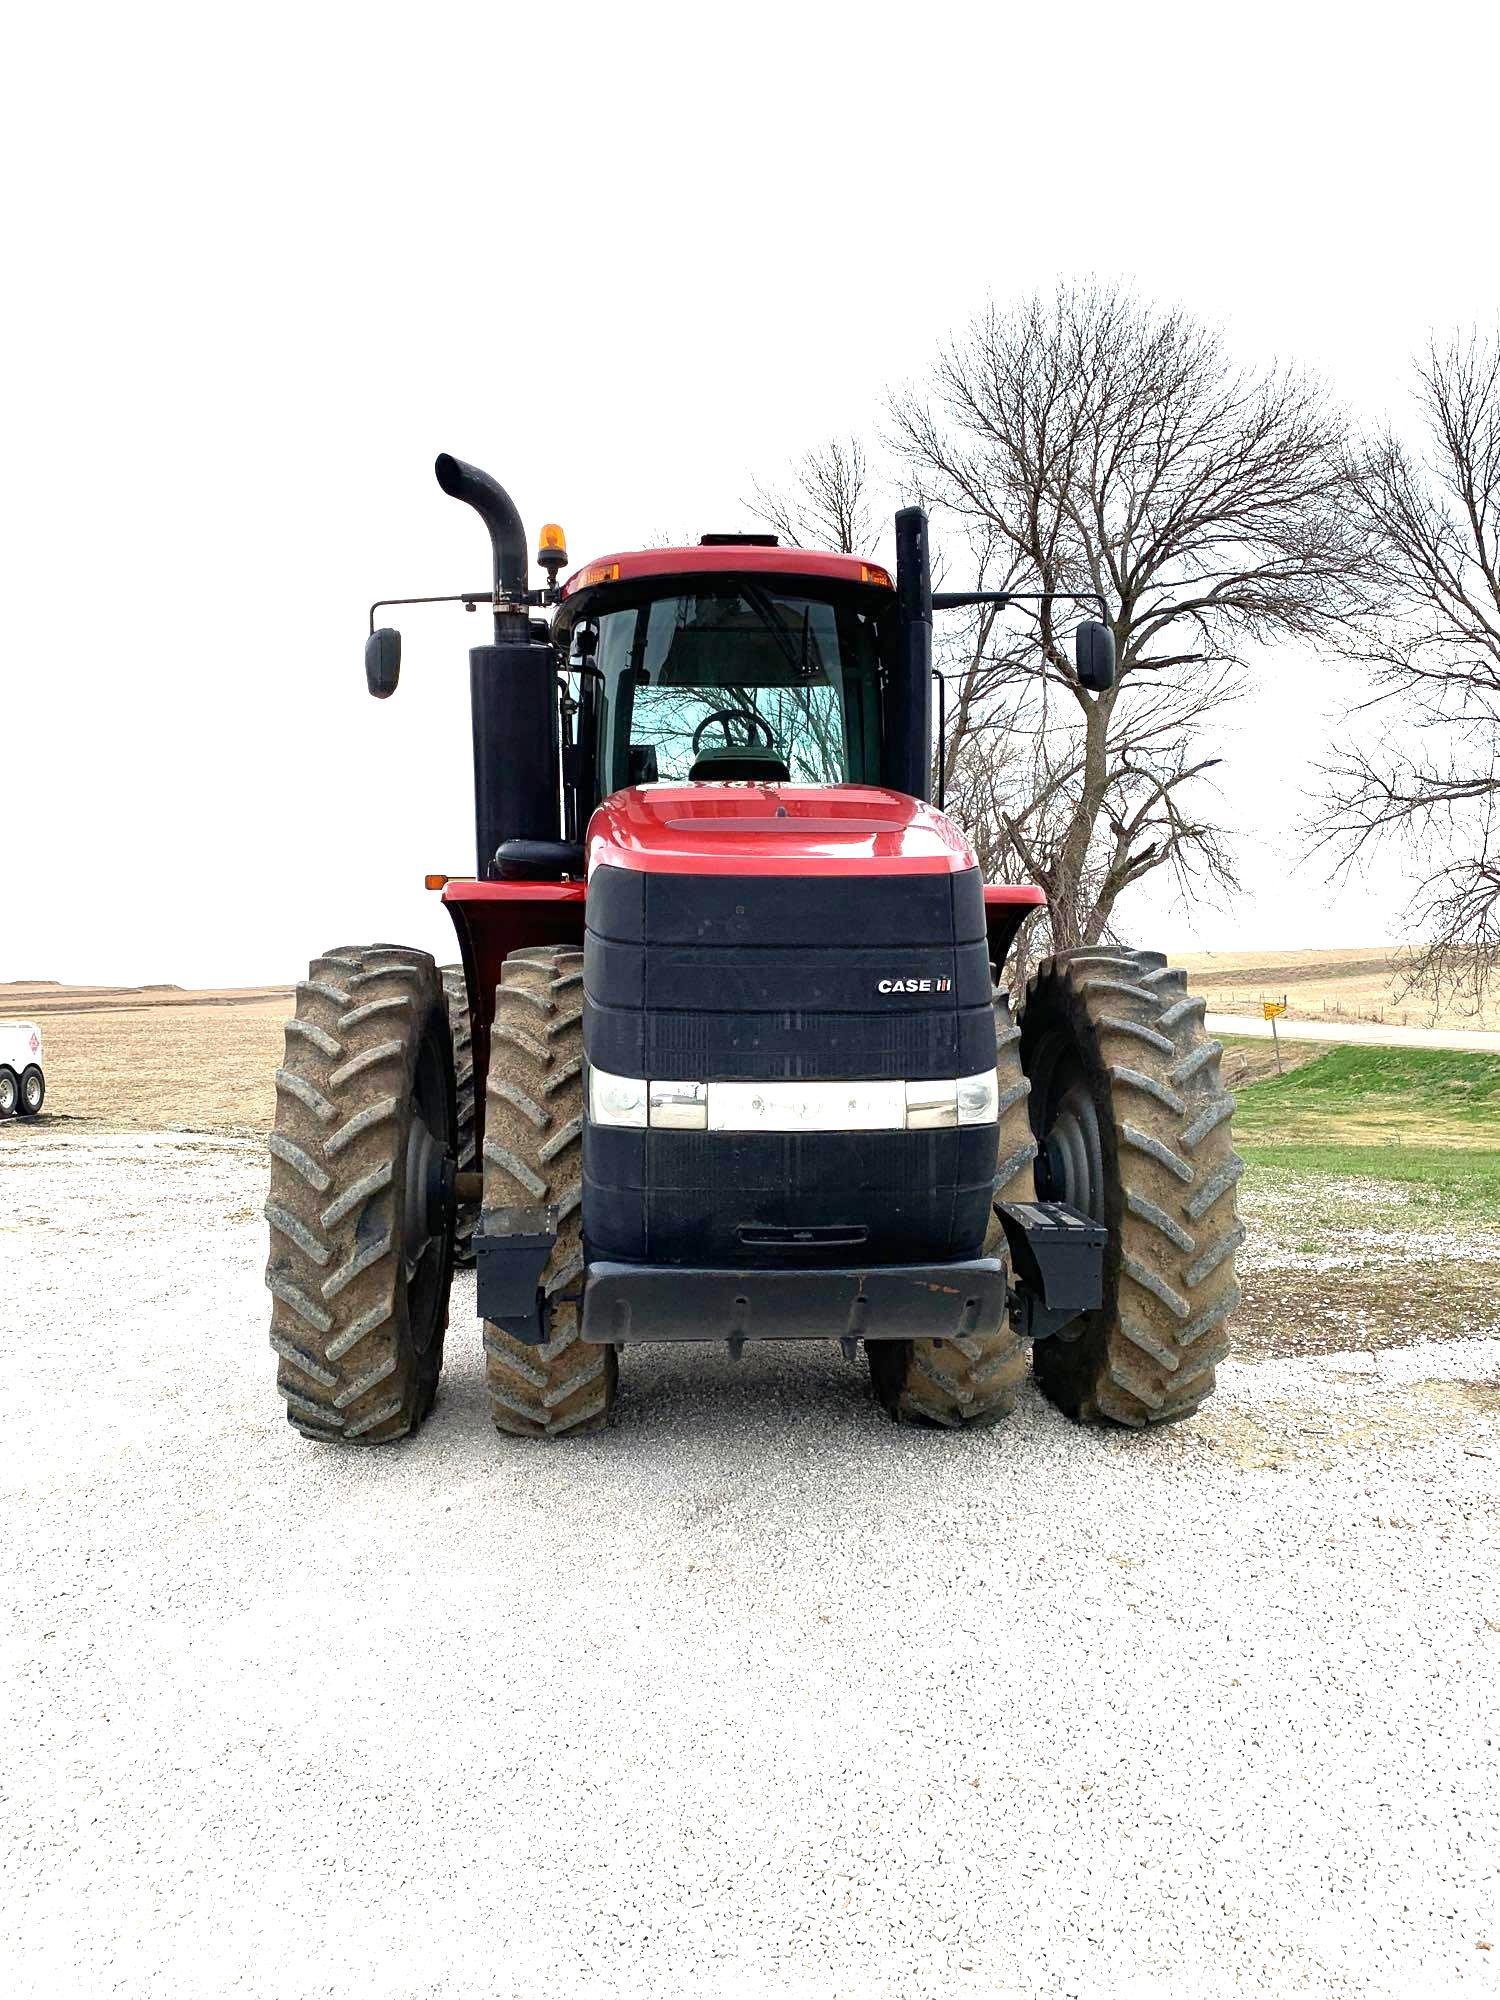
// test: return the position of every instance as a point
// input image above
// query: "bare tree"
(824, 502)
(1089, 443)
(1422, 768)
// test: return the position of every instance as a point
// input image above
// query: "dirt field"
(158, 1058)
(170, 1058)
(167, 1058)
(161, 1059)
(1362, 984)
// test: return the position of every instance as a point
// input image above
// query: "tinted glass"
(738, 681)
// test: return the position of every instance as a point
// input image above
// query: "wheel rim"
(1070, 1166)
(428, 1211)
(7, 1093)
(33, 1089)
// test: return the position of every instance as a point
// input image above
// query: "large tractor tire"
(533, 1161)
(460, 1028)
(1133, 1124)
(968, 1382)
(361, 1207)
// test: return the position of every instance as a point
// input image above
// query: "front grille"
(800, 1044)
(763, 978)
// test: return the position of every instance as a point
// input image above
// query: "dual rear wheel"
(1112, 1102)
(1134, 1126)
(21, 1095)
(533, 1164)
(361, 1194)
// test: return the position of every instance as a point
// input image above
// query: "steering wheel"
(724, 716)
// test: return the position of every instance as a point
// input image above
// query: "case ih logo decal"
(915, 986)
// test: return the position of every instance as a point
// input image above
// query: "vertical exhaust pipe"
(910, 721)
(512, 686)
(502, 519)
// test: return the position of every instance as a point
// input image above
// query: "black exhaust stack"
(512, 685)
(501, 517)
(909, 721)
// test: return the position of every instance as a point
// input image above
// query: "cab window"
(737, 681)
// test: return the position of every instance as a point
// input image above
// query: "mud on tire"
(359, 1301)
(966, 1383)
(460, 1029)
(533, 1161)
(1133, 1121)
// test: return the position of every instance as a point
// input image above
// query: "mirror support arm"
(472, 599)
(955, 600)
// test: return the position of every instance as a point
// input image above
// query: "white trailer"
(22, 1084)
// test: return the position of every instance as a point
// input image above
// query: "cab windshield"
(737, 681)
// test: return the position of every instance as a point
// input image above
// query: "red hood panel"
(751, 829)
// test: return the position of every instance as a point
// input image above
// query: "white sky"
(262, 263)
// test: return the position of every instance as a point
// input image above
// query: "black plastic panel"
(928, 1301)
(757, 1048)
(680, 1197)
(785, 909)
(757, 979)
(774, 979)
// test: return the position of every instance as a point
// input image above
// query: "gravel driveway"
(753, 1694)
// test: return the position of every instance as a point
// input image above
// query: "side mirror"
(383, 661)
(1094, 654)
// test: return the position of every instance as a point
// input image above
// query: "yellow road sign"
(1271, 1008)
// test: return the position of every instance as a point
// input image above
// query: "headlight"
(931, 1105)
(918, 1105)
(616, 1100)
(979, 1098)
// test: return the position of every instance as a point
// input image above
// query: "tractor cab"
(735, 661)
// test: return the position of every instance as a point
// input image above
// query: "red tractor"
(731, 1047)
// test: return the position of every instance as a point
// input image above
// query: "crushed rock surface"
(753, 1694)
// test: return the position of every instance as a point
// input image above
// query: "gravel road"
(1362, 1034)
(753, 1694)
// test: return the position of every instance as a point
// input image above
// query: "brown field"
(206, 1063)
(204, 1060)
(1363, 983)
(157, 1056)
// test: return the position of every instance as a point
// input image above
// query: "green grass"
(1423, 1119)
(1357, 1097)
(1454, 1179)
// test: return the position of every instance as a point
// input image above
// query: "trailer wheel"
(533, 1159)
(33, 1090)
(361, 1199)
(456, 993)
(966, 1383)
(10, 1091)
(1133, 1124)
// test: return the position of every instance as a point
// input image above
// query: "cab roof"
(726, 558)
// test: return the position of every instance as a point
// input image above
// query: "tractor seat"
(728, 761)
(539, 860)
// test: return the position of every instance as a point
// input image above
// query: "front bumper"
(1052, 1278)
(637, 1302)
